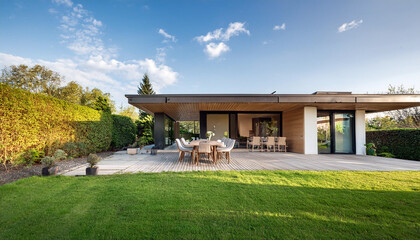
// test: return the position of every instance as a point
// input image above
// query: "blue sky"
(218, 46)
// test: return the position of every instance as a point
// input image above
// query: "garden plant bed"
(214, 205)
(15, 173)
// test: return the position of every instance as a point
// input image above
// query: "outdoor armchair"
(182, 150)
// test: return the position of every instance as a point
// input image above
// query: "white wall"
(310, 131)
(360, 132)
(219, 124)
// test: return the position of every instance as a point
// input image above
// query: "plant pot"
(153, 151)
(45, 171)
(91, 171)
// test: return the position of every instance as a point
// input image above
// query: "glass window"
(324, 136)
(261, 125)
(343, 132)
(169, 131)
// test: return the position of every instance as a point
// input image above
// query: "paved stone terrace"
(167, 160)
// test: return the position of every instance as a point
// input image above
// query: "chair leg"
(228, 157)
(180, 157)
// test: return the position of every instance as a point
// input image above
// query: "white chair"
(226, 150)
(204, 147)
(185, 143)
(182, 150)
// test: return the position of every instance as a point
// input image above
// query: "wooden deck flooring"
(243, 160)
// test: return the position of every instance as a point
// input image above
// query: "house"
(322, 122)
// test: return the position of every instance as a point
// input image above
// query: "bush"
(36, 121)
(30, 157)
(93, 159)
(386, 154)
(370, 149)
(48, 162)
(71, 149)
(60, 155)
(123, 131)
(402, 143)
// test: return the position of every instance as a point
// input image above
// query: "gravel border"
(15, 173)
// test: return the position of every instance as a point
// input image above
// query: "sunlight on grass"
(214, 205)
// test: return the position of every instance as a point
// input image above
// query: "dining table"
(213, 143)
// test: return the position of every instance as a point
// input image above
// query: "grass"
(214, 205)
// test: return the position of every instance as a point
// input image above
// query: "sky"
(217, 46)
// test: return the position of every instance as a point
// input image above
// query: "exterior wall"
(360, 132)
(293, 130)
(159, 130)
(219, 124)
(310, 130)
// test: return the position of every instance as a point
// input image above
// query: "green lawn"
(214, 205)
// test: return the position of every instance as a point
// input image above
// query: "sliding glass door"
(335, 132)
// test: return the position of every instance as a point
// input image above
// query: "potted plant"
(370, 149)
(92, 170)
(47, 163)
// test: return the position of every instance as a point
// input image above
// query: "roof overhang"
(187, 107)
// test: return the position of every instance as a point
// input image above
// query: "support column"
(203, 125)
(176, 130)
(310, 130)
(360, 132)
(159, 130)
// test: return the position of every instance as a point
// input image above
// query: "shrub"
(402, 143)
(71, 149)
(386, 154)
(93, 159)
(60, 155)
(370, 149)
(30, 157)
(123, 131)
(48, 162)
(37, 121)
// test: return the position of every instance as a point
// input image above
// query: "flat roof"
(183, 107)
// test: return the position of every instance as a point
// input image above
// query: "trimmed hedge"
(123, 131)
(403, 143)
(35, 121)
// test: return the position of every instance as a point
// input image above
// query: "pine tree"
(145, 87)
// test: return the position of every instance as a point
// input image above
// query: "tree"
(72, 92)
(145, 87)
(37, 79)
(129, 111)
(102, 104)
(409, 117)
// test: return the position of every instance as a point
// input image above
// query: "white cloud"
(166, 35)
(67, 3)
(109, 75)
(280, 27)
(214, 50)
(234, 29)
(52, 11)
(82, 32)
(350, 25)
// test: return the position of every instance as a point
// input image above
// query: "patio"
(242, 160)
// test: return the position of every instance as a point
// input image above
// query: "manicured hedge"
(35, 121)
(123, 131)
(403, 143)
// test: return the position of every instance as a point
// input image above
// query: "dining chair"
(256, 141)
(182, 150)
(271, 142)
(281, 143)
(226, 150)
(204, 147)
(185, 143)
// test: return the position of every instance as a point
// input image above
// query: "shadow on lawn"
(189, 206)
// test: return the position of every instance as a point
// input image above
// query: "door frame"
(331, 114)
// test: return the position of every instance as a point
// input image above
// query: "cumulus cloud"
(350, 25)
(166, 35)
(95, 65)
(234, 29)
(67, 3)
(279, 27)
(214, 50)
(109, 75)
